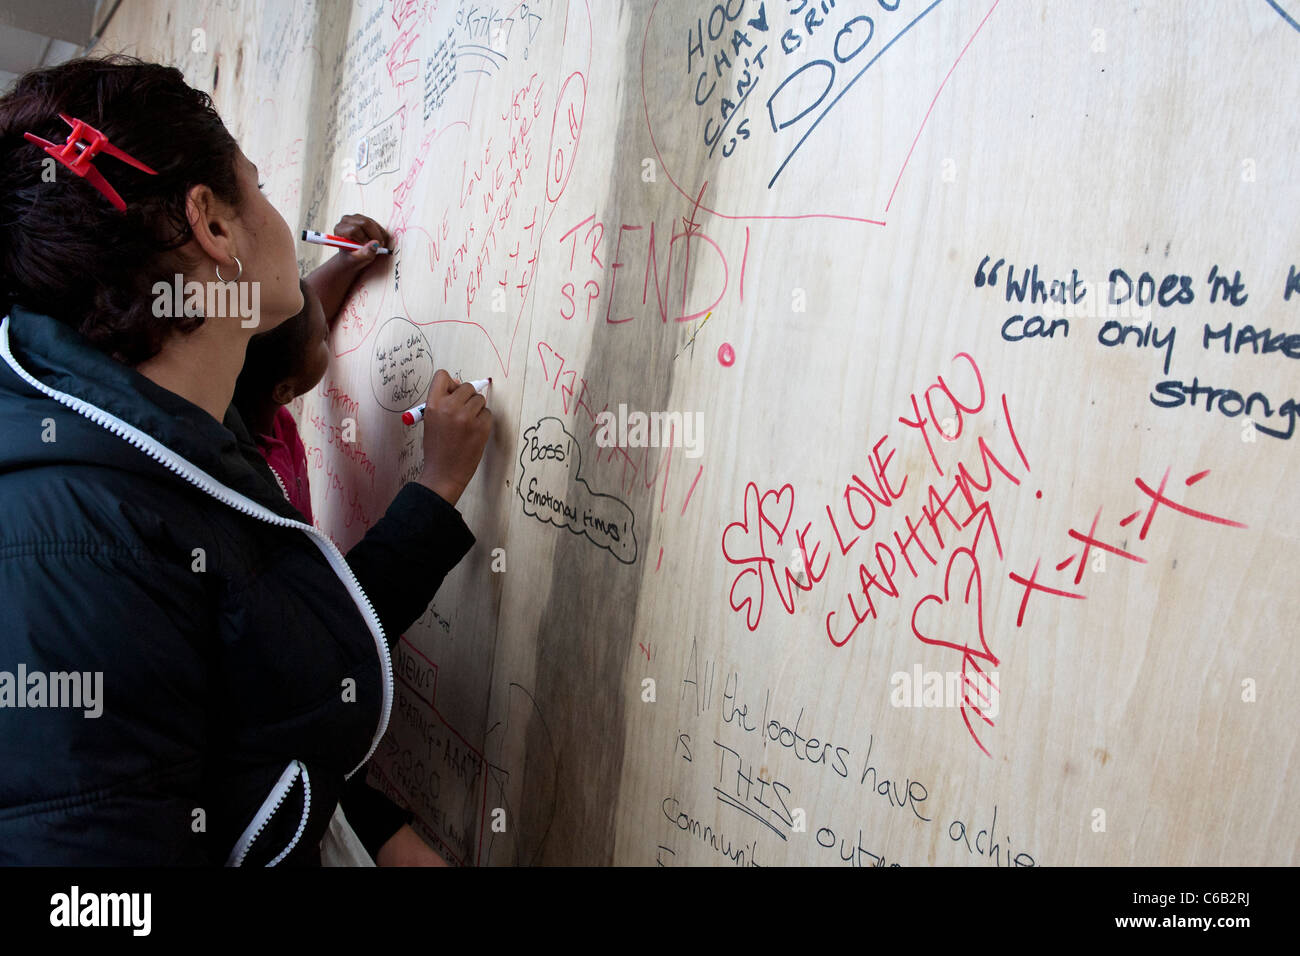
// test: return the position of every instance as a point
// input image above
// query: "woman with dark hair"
(189, 672)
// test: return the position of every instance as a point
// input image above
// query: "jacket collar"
(62, 359)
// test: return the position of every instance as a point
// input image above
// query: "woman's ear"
(211, 222)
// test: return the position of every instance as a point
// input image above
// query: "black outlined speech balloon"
(554, 492)
(402, 370)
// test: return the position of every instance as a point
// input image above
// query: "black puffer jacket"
(245, 662)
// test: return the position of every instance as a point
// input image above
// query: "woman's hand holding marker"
(456, 428)
(413, 415)
(338, 242)
(332, 280)
(368, 236)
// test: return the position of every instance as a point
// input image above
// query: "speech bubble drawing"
(553, 491)
(403, 365)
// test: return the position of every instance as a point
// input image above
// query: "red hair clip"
(83, 144)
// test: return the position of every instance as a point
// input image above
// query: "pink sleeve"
(291, 462)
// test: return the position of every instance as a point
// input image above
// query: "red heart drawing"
(752, 614)
(746, 548)
(767, 511)
(965, 648)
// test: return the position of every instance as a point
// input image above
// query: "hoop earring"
(238, 264)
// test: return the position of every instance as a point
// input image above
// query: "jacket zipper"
(269, 806)
(228, 496)
(280, 481)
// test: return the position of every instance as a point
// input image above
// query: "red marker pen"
(325, 239)
(417, 413)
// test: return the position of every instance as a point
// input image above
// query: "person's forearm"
(331, 282)
(403, 558)
(405, 848)
(449, 491)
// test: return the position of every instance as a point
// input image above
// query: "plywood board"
(972, 329)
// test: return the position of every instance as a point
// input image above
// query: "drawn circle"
(726, 354)
(566, 131)
(401, 368)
